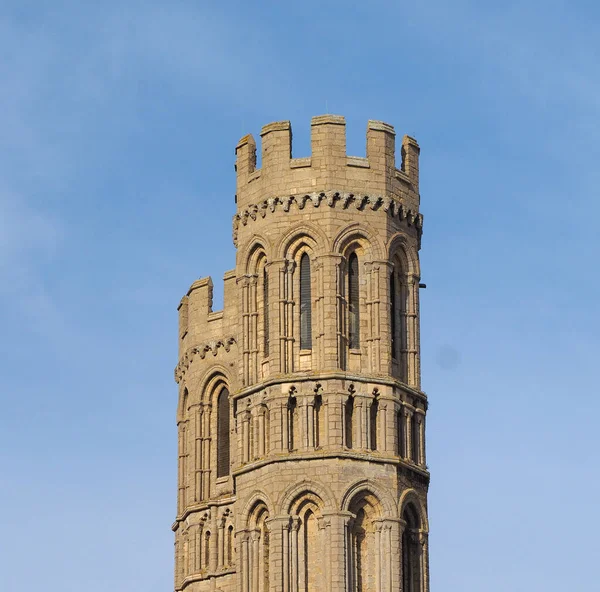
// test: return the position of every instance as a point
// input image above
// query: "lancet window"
(305, 303)
(348, 422)
(223, 443)
(265, 307)
(353, 303)
(398, 320)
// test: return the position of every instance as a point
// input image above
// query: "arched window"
(393, 315)
(348, 419)
(399, 319)
(255, 551)
(230, 546)
(207, 550)
(292, 419)
(414, 439)
(223, 433)
(305, 304)
(411, 552)
(373, 423)
(353, 303)
(265, 311)
(362, 546)
(318, 420)
(401, 425)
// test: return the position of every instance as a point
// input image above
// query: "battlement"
(328, 166)
(197, 320)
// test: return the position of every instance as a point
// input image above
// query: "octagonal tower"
(301, 419)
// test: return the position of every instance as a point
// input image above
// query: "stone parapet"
(328, 166)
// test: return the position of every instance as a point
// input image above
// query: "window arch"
(305, 303)
(223, 443)
(256, 550)
(362, 544)
(353, 302)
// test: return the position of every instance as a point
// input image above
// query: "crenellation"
(328, 165)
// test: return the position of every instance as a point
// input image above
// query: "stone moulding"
(201, 350)
(332, 198)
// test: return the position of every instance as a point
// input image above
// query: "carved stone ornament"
(201, 351)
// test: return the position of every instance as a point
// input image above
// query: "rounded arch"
(257, 248)
(366, 488)
(305, 235)
(184, 403)
(258, 498)
(359, 234)
(411, 500)
(211, 383)
(399, 247)
(308, 490)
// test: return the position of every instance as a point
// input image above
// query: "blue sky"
(118, 125)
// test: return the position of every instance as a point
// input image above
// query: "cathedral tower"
(301, 420)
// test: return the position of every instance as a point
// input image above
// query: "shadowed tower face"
(301, 419)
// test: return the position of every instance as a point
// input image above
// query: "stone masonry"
(301, 421)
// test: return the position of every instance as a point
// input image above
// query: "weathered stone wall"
(326, 480)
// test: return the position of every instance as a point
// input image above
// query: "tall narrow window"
(401, 421)
(207, 550)
(415, 439)
(393, 313)
(266, 311)
(305, 304)
(223, 433)
(348, 420)
(373, 423)
(353, 303)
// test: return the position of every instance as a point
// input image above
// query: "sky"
(118, 126)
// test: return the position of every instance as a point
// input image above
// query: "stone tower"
(301, 419)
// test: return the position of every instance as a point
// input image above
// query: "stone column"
(285, 426)
(325, 532)
(402, 527)
(285, 533)
(424, 542)
(213, 540)
(206, 450)
(379, 557)
(382, 441)
(198, 454)
(221, 544)
(255, 538)
(245, 308)
(422, 459)
(289, 317)
(407, 415)
(253, 329)
(295, 527)
(245, 436)
(261, 431)
(244, 571)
